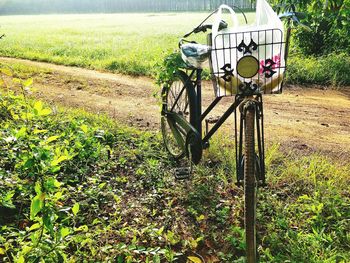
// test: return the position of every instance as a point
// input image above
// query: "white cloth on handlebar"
(195, 55)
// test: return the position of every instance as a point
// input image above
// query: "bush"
(62, 176)
(332, 69)
(329, 23)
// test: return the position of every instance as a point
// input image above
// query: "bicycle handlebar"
(294, 17)
(205, 27)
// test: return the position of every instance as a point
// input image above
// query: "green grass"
(332, 69)
(75, 186)
(126, 43)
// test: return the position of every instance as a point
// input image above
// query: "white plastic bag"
(261, 41)
(195, 55)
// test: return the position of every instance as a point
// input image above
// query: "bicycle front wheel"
(250, 185)
(179, 98)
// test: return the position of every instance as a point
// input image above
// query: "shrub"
(329, 23)
(332, 69)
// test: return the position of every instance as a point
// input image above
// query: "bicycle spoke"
(181, 130)
(177, 134)
(173, 96)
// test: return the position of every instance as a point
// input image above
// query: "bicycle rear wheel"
(250, 184)
(179, 98)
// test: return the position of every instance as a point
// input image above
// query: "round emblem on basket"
(247, 66)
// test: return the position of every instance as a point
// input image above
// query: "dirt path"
(306, 120)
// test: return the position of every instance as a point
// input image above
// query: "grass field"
(127, 43)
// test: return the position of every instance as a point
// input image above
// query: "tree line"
(111, 6)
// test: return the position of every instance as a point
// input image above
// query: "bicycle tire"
(250, 185)
(171, 144)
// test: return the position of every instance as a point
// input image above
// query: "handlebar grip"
(222, 25)
(202, 28)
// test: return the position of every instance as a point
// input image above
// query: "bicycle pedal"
(182, 173)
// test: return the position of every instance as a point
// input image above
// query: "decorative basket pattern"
(247, 62)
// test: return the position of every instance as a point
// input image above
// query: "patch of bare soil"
(307, 120)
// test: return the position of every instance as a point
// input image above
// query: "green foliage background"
(329, 22)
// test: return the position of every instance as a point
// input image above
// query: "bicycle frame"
(240, 99)
(244, 91)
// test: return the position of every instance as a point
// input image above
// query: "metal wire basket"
(248, 62)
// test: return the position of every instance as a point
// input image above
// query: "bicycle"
(182, 116)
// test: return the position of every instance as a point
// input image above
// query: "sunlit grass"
(126, 43)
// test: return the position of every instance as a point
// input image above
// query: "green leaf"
(75, 208)
(21, 132)
(36, 205)
(21, 259)
(156, 259)
(26, 250)
(83, 228)
(200, 218)
(45, 112)
(52, 138)
(194, 259)
(48, 220)
(38, 105)
(2, 251)
(58, 195)
(57, 184)
(7, 72)
(36, 131)
(39, 110)
(51, 184)
(102, 185)
(64, 232)
(59, 160)
(7, 200)
(8, 196)
(96, 221)
(34, 227)
(29, 163)
(87, 241)
(37, 188)
(28, 82)
(17, 80)
(160, 231)
(84, 128)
